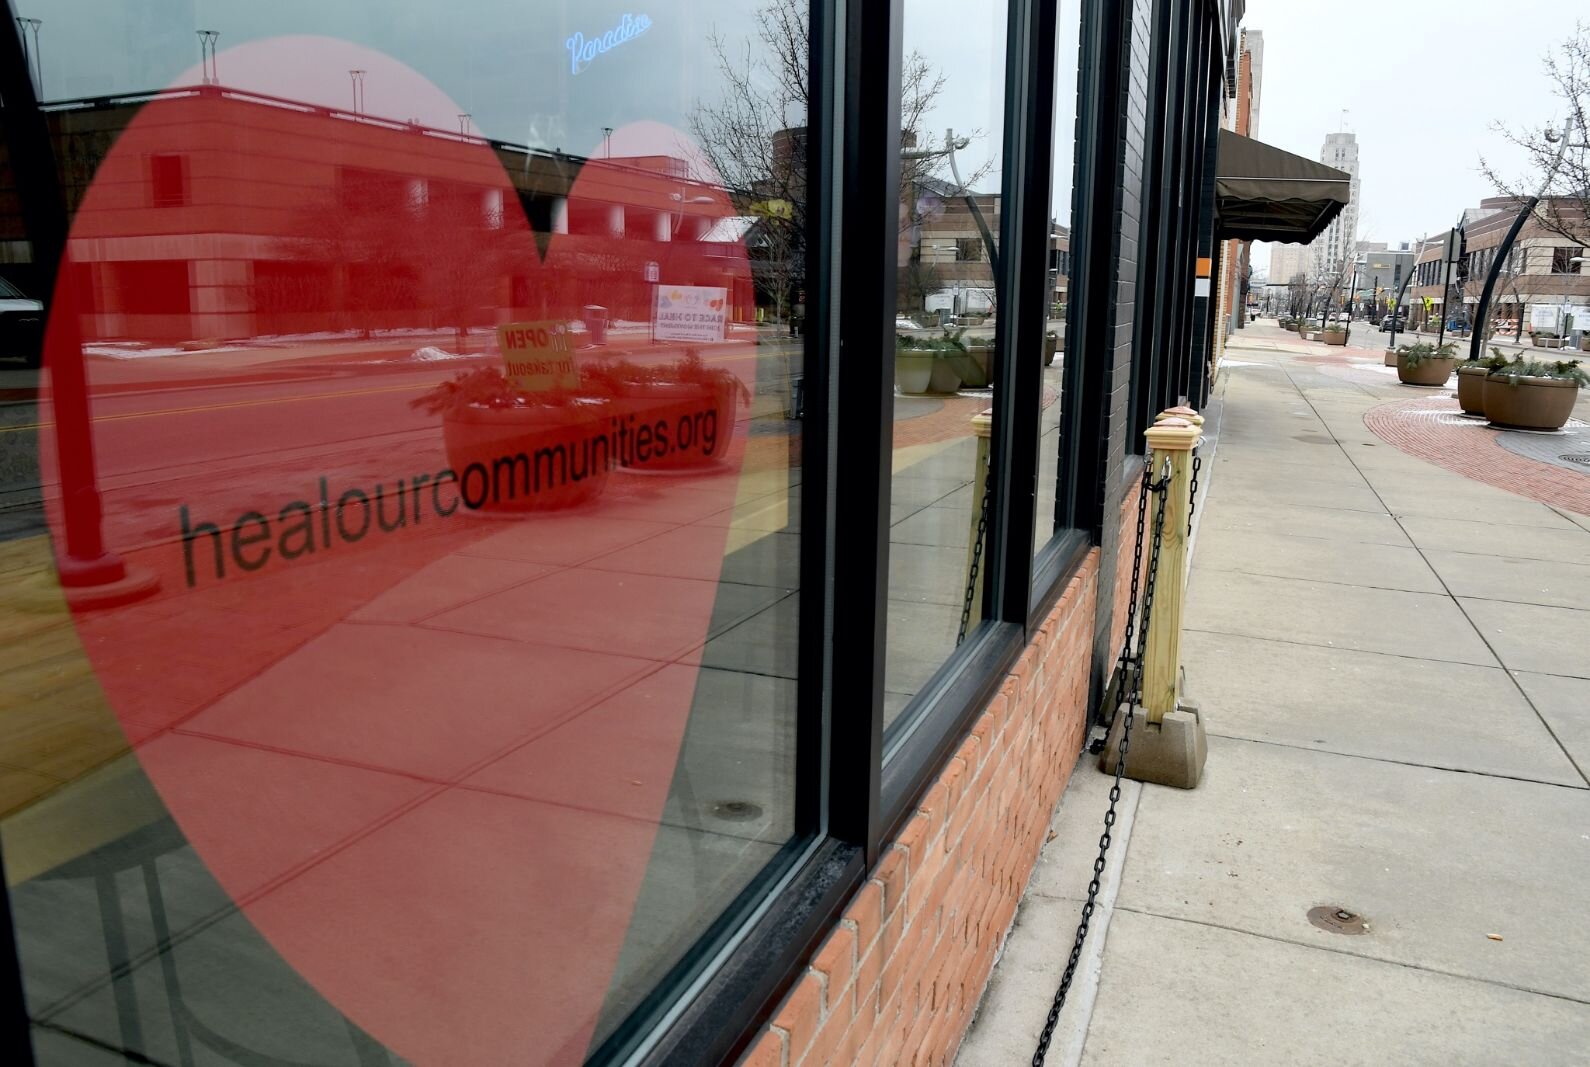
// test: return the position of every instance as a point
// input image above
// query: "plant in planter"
(1421, 363)
(689, 407)
(514, 451)
(926, 365)
(1471, 381)
(1532, 394)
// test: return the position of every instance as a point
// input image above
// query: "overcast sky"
(1422, 82)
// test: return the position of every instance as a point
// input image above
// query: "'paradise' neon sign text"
(583, 51)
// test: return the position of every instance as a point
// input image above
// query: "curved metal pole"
(84, 560)
(1483, 309)
(977, 212)
(1397, 303)
(1482, 312)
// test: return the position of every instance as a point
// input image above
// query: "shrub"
(1416, 353)
(1561, 370)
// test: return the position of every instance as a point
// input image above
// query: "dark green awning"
(1265, 194)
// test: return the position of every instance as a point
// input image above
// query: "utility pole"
(211, 75)
(30, 56)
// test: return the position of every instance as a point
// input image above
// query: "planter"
(1051, 346)
(691, 423)
(926, 373)
(1428, 372)
(503, 445)
(975, 368)
(1584, 343)
(912, 371)
(945, 380)
(1471, 390)
(1529, 403)
(1548, 342)
(1334, 337)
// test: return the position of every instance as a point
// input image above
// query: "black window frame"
(855, 788)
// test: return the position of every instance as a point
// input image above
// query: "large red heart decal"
(416, 677)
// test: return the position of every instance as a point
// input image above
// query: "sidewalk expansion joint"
(1357, 955)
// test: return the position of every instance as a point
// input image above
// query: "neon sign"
(583, 51)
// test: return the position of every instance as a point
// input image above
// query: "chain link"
(977, 553)
(1130, 692)
(1192, 494)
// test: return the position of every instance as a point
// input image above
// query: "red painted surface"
(366, 738)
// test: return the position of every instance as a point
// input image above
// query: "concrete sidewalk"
(1394, 664)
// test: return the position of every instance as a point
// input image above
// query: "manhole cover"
(1550, 446)
(1338, 920)
(736, 810)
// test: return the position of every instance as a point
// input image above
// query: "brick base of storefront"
(897, 981)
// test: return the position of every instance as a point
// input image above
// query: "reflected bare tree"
(754, 135)
(1564, 209)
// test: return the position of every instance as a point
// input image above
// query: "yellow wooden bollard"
(1168, 745)
(1172, 437)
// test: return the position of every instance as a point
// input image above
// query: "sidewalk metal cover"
(1265, 194)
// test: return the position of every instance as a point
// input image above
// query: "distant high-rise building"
(1337, 245)
(1253, 44)
(1288, 261)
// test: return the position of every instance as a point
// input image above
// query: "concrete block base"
(1391, 357)
(1172, 753)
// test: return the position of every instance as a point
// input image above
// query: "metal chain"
(1192, 494)
(1137, 566)
(1130, 694)
(977, 553)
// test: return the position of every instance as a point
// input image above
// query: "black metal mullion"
(1207, 137)
(1082, 422)
(863, 403)
(1171, 248)
(1151, 314)
(1023, 318)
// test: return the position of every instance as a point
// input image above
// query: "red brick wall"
(897, 980)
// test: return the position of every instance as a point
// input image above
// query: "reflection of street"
(278, 415)
(373, 700)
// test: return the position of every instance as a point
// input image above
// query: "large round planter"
(913, 371)
(539, 458)
(975, 367)
(687, 424)
(1529, 403)
(1428, 372)
(1471, 390)
(945, 379)
(1051, 345)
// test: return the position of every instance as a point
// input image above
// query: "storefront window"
(947, 311)
(418, 440)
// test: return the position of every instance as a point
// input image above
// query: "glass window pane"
(429, 371)
(1050, 515)
(947, 307)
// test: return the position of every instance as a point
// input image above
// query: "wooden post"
(1173, 436)
(982, 426)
